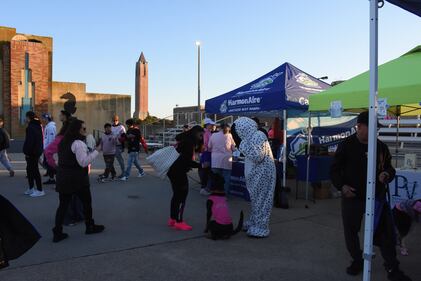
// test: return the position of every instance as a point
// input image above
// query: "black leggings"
(402, 221)
(50, 170)
(84, 195)
(180, 188)
(32, 171)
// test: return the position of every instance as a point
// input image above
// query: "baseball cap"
(46, 116)
(208, 121)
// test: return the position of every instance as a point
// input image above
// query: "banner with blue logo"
(329, 136)
(285, 87)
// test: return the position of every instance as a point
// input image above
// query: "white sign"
(336, 109)
(410, 161)
(382, 107)
(406, 185)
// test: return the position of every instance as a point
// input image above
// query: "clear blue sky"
(98, 42)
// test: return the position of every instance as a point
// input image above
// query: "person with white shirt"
(118, 130)
(222, 145)
(49, 136)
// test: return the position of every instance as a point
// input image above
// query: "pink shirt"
(221, 145)
(220, 211)
(206, 137)
(52, 149)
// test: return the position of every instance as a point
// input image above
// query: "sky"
(98, 42)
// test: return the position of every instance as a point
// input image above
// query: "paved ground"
(305, 244)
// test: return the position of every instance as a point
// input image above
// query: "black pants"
(50, 170)
(402, 221)
(32, 171)
(180, 188)
(204, 176)
(109, 166)
(353, 211)
(84, 195)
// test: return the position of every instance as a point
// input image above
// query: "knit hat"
(363, 119)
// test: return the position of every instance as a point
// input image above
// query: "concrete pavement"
(305, 244)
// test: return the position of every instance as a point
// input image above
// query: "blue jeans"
(227, 177)
(133, 159)
(4, 159)
(119, 157)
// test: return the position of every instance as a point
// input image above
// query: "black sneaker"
(355, 268)
(94, 228)
(397, 275)
(50, 181)
(3, 264)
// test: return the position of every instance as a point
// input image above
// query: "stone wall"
(95, 109)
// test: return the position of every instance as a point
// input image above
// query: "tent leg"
(284, 155)
(372, 142)
(398, 121)
(308, 156)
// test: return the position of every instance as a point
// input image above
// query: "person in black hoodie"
(188, 143)
(33, 148)
(349, 174)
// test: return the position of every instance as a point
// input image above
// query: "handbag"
(162, 159)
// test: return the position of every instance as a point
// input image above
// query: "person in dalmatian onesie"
(260, 174)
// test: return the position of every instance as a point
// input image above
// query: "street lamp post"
(199, 112)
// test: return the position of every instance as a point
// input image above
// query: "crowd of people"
(211, 152)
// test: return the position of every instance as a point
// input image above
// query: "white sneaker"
(37, 193)
(204, 192)
(29, 191)
(124, 178)
(141, 175)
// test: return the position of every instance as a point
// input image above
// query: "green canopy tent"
(399, 83)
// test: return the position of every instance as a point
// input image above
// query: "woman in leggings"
(188, 143)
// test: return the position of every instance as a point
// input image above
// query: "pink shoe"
(171, 222)
(182, 226)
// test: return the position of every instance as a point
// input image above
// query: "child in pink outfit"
(219, 222)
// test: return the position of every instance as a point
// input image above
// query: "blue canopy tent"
(286, 88)
(412, 6)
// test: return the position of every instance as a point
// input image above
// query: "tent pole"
(372, 142)
(398, 122)
(284, 155)
(308, 154)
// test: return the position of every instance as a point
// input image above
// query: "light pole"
(199, 112)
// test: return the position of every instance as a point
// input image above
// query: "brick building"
(26, 67)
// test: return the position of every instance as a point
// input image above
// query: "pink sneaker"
(182, 226)
(171, 222)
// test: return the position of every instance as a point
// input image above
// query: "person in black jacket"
(188, 143)
(33, 148)
(73, 178)
(349, 174)
(4, 145)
